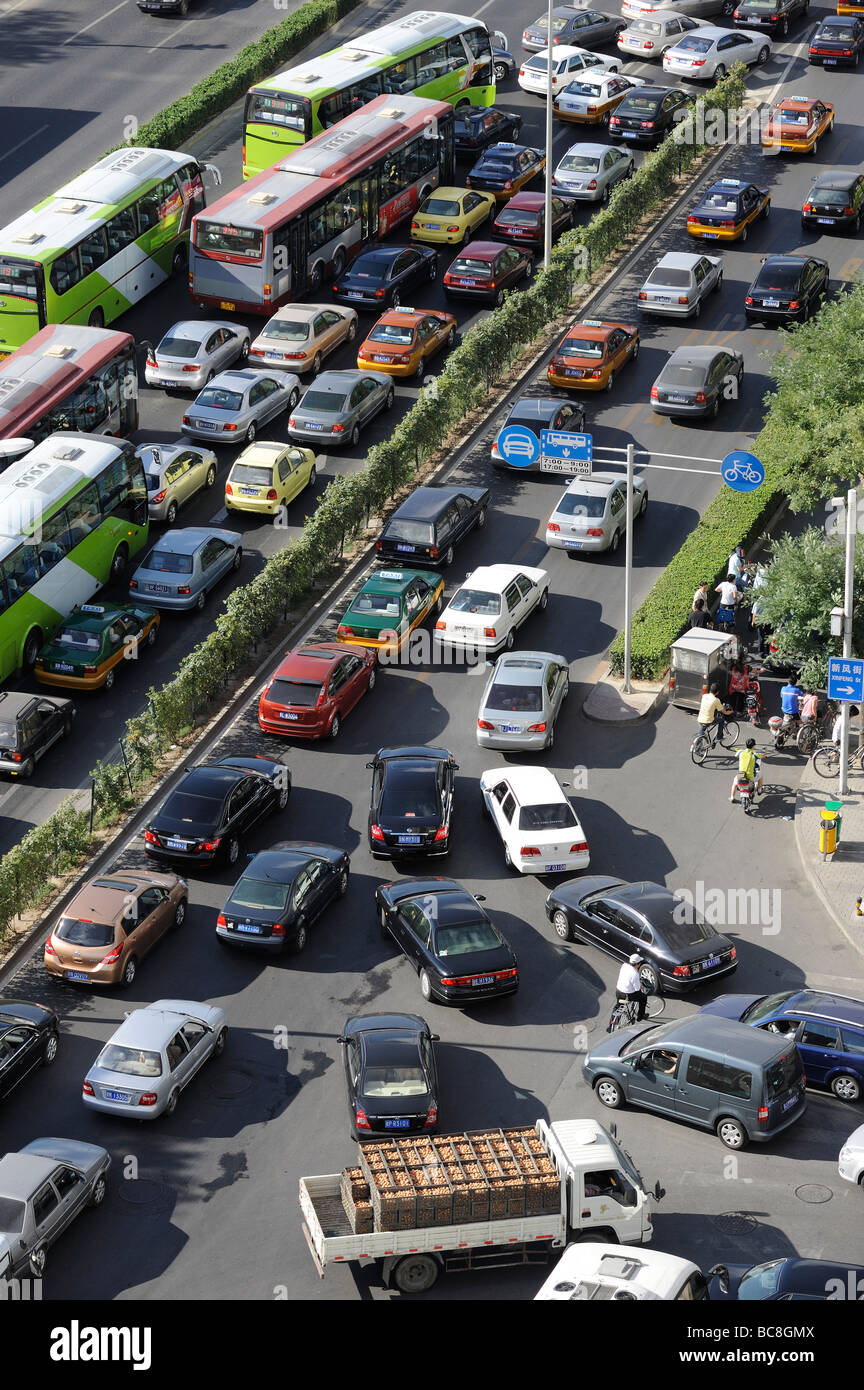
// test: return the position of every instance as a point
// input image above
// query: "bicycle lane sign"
(742, 472)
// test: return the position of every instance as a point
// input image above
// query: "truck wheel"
(415, 1274)
(591, 1238)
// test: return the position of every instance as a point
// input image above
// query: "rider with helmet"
(749, 767)
(629, 984)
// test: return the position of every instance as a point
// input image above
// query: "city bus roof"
(366, 54)
(57, 467)
(299, 179)
(48, 367)
(61, 219)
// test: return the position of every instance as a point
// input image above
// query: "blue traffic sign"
(518, 446)
(742, 472)
(846, 678)
(564, 444)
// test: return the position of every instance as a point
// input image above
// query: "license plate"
(226, 304)
(467, 282)
(76, 975)
(677, 400)
(510, 729)
(711, 961)
(124, 1096)
(787, 1105)
(830, 62)
(354, 294)
(572, 371)
(710, 236)
(484, 980)
(249, 928)
(433, 226)
(469, 631)
(629, 134)
(409, 839)
(165, 382)
(312, 426)
(63, 666)
(274, 356)
(286, 714)
(771, 303)
(573, 545)
(827, 221)
(396, 1124)
(662, 299)
(379, 357)
(158, 589)
(785, 149)
(204, 424)
(412, 548)
(553, 868)
(249, 491)
(176, 844)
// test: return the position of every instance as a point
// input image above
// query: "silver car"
(42, 1189)
(337, 406)
(573, 24)
(709, 52)
(155, 1052)
(174, 473)
(235, 405)
(679, 282)
(521, 701)
(634, 9)
(300, 336)
(650, 35)
(589, 173)
(192, 352)
(590, 515)
(185, 565)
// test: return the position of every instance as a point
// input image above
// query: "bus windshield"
(17, 277)
(280, 108)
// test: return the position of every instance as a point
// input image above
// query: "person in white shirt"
(728, 591)
(701, 592)
(629, 985)
(736, 562)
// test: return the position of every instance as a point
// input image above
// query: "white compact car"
(568, 63)
(588, 100)
(679, 282)
(652, 34)
(851, 1162)
(152, 1056)
(494, 601)
(591, 514)
(540, 830)
(708, 53)
(300, 336)
(192, 352)
(619, 1273)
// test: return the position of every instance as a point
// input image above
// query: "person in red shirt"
(739, 679)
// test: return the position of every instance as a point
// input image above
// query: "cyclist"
(749, 766)
(629, 985)
(791, 696)
(712, 710)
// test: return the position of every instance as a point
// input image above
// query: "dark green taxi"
(86, 651)
(389, 606)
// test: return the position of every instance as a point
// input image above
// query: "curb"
(658, 698)
(814, 882)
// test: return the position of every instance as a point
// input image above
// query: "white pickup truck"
(603, 1199)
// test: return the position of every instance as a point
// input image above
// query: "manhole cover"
(814, 1193)
(735, 1223)
(143, 1192)
(578, 1027)
(229, 1083)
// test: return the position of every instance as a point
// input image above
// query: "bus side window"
(147, 209)
(66, 271)
(367, 89)
(193, 187)
(478, 42)
(55, 543)
(4, 597)
(88, 407)
(121, 231)
(93, 251)
(114, 490)
(330, 110)
(403, 77)
(21, 570)
(84, 513)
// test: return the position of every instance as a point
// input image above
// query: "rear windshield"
(259, 892)
(249, 473)
(178, 347)
(639, 106)
(168, 562)
(680, 935)
(11, 1216)
(682, 376)
(836, 197)
(464, 265)
(518, 217)
(415, 532)
(778, 277)
(441, 207)
(645, 26)
(382, 605)
(229, 241)
(554, 815)
(411, 794)
(577, 504)
(693, 45)
(189, 806)
(215, 398)
(461, 940)
(394, 1081)
(835, 31)
(669, 275)
(80, 932)
(132, 1061)
(325, 401)
(582, 347)
(287, 330)
(370, 268)
(783, 1074)
(789, 116)
(515, 697)
(579, 164)
(398, 333)
(8, 733)
(305, 693)
(583, 89)
(76, 640)
(476, 601)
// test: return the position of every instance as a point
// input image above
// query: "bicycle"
(703, 743)
(826, 760)
(624, 1012)
(814, 731)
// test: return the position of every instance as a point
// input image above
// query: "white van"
(599, 1273)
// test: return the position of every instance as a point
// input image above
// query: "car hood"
(72, 1151)
(730, 1005)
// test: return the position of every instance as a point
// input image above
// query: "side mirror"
(251, 854)
(370, 764)
(659, 1192)
(721, 1274)
(434, 1037)
(613, 1130)
(343, 1039)
(455, 767)
(479, 898)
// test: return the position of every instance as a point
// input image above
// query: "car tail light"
(727, 224)
(681, 970)
(733, 953)
(527, 850)
(376, 832)
(191, 282)
(229, 491)
(151, 362)
(148, 1098)
(484, 724)
(683, 299)
(847, 52)
(440, 624)
(648, 44)
(49, 949)
(433, 552)
(291, 423)
(185, 419)
(160, 496)
(697, 62)
(594, 531)
(209, 846)
(379, 294)
(555, 38)
(597, 373)
(580, 847)
(379, 545)
(454, 228)
(762, 1114)
(414, 225)
(647, 125)
(343, 631)
(87, 1089)
(278, 929)
(521, 72)
(257, 352)
(700, 397)
(90, 670)
(295, 356)
(848, 212)
(229, 427)
(441, 833)
(431, 1117)
(150, 838)
(671, 683)
(552, 526)
(794, 304)
(113, 956)
(220, 920)
(272, 494)
(592, 108)
(655, 394)
(592, 184)
(322, 698)
(691, 221)
(642, 294)
(536, 729)
(194, 367)
(184, 590)
(448, 279)
(338, 429)
(614, 120)
(748, 299)
(508, 183)
(489, 632)
(361, 1120)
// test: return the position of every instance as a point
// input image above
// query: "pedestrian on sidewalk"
(701, 593)
(698, 616)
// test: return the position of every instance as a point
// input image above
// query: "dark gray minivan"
(706, 1071)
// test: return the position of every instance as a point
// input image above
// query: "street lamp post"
(550, 94)
(628, 568)
(848, 600)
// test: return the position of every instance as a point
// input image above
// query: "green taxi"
(389, 606)
(94, 639)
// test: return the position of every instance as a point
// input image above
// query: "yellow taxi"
(451, 216)
(592, 353)
(403, 339)
(850, 9)
(267, 476)
(796, 124)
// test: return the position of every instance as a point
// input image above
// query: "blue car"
(185, 565)
(828, 1029)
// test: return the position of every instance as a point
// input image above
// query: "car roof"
(363, 1023)
(262, 451)
(707, 31)
(598, 485)
(697, 356)
(14, 1011)
(643, 896)
(679, 260)
(194, 328)
(726, 1036)
(416, 752)
(100, 904)
(804, 1276)
(426, 503)
(519, 672)
(784, 260)
(308, 664)
(648, 91)
(595, 151)
(500, 575)
(522, 659)
(534, 201)
(237, 379)
(381, 1044)
(188, 539)
(482, 251)
(207, 778)
(835, 178)
(381, 253)
(300, 311)
(796, 103)
(532, 784)
(727, 186)
(525, 407)
(153, 1025)
(278, 865)
(21, 1174)
(817, 1003)
(337, 381)
(12, 702)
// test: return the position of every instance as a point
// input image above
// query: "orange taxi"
(850, 9)
(796, 125)
(591, 355)
(402, 341)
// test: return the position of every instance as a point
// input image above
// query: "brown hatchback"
(111, 924)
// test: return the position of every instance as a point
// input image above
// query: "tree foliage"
(802, 584)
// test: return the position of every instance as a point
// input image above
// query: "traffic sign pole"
(547, 196)
(628, 568)
(851, 521)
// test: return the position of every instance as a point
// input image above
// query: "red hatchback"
(522, 220)
(312, 690)
(485, 269)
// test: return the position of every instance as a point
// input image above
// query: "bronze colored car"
(111, 924)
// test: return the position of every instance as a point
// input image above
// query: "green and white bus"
(442, 57)
(73, 512)
(100, 244)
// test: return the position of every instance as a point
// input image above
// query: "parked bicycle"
(624, 1012)
(726, 734)
(815, 731)
(826, 760)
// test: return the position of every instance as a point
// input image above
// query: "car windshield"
(441, 207)
(369, 268)
(834, 197)
(383, 1082)
(251, 473)
(762, 1280)
(579, 504)
(552, 815)
(518, 217)
(82, 932)
(215, 398)
(259, 892)
(414, 532)
(11, 1216)
(465, 937)
(669, 275)
(412, 794)
(783, 1074)
(382, 605)
(778, 277)
(178, 347)
(766, 1006)
(692, 44)
(464, 265)
(579, 164)
(581, 347)
(77, 640)
(167, 562)
(681, 375)
(527, 698)
(131, 1061)
(327, 402)
(287, 330)
(295, 692)
(392, 333)
(476, 601)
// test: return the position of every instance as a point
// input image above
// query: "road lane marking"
(172, 34)
(221, 515)
(26, 140)
(93, 23)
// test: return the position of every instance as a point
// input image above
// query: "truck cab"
(602, 1191)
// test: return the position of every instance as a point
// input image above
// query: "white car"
(655, 32)
(589, 173)
(192, 352)
(851, 1162)
(589, 99)
(635, 9)
(568, 63)
(540, 830)
(708, 53)
(620, 1273)
(152, 1056)
(591, 514)
(300, 336)
(679, 282)
(494, 601)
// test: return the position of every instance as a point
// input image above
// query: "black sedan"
(644, 116)
(381, 278)
(29, 1037)
(787, 289)
(430, 522)
(680, 949)
(391, 1075)
(534, 414)
(457, 951)
(477, 127)
(787, 1280)
(772, 15)
(281, 894)
(835, 202)
(837, 42)
(411, 806)
(204, 819)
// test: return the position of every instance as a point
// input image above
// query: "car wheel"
(110, 678)
(37, 1262)
(415, 1274)
(391, 396)
(450, 341)
(49, 1049)
(297, 942)
(846, 1087)
(510, 640)
(433, 267)
(282, 798)
(609, 381)
(743, 236)
(426, 986)
(420, 369)
(448, 557)
(211, 476)
(650, 979)
(370, 685)
(96, 319)
(32, 647)
(715, 409)
(609, 1093)
(335, 726)
(100, 1187)
(232, 850)
(151, 640)
(342, 884)
(172, 1102)
(118, 565)
(292, 400)
(355, 437)
(815, 148)
(171, 514)
(201, 601)
(249, 436)
(500, 72)
(719, 72)
(643, 506)
(316, 278)
(763, 55)
(698, 310)
(550, 742)
(395, 300)
(219, 1045)
(499, 299)
(244, 350)
(382, 923)
(529, 271)
(731, 1133)
(604, 197)
(508, 862)
(316, 364)
(352, 331)
(544, 599)
(179, 261)
(481, 518)
(784, 28)
(561, 924)
(130, 970)
(180, 913)
(614, 543)
(718, 287)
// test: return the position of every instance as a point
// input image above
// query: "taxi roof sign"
(92, 608)
(730, 183)
(592, 323)
(390, 574)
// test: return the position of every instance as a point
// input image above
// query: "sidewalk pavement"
(606, 702)
(839, 879)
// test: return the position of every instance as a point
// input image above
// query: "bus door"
(368, 208)
(290, 271)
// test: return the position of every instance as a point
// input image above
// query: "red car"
(312, 690)
(485, 269)
(522, 220)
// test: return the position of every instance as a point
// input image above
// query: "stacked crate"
(357, 1201)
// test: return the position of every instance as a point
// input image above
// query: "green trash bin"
(836, 807)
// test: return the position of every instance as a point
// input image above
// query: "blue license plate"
(312, 426)
(124, 1096)
(286, 714)
(433, 226)
(830, 62)
(510, 729)
(412, 548)
(629, 134)
(158, 589)
(396, 1124)
(176, 844)
(249, 928)
(554, 868)
(409, 839)
(709, 236)
(789, 1103)
(573, 545)
(76, 975)
(826, 221)
(467, 282)
(711, 961)
(249, 491)
(63, 666)
(166, 383)
(354, 294)
(484, 980)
